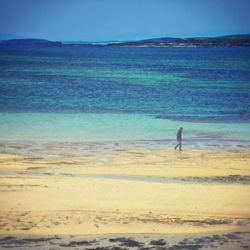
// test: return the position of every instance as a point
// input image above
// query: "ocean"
(83, 94)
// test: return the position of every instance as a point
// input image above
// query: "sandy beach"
(109, 195)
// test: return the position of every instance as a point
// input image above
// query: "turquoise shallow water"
(64, 93)
(89, 127)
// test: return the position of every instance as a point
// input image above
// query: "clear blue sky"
(96, 20)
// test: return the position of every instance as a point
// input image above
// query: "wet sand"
(236, 240)
(56, 195)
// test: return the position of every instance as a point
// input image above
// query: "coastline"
(68, 185)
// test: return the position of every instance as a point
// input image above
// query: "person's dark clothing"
(179, 139)
(178, 136)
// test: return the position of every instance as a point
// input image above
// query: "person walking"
(179, 139)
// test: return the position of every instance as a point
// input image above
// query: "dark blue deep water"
(178, 83)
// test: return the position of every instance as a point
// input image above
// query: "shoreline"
(203, 142)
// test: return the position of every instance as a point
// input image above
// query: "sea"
(114, 94)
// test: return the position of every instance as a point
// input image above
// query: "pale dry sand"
(135, 190)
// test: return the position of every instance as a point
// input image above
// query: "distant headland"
(221, 41)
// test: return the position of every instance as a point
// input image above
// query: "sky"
(109, 20)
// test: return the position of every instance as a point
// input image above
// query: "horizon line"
(118, 40)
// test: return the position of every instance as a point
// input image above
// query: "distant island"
(237, 40)
(221, 41)
(28, 41)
